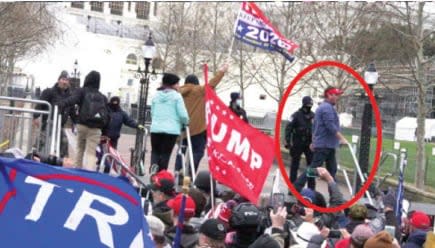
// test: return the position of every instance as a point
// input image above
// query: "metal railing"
(16, 124)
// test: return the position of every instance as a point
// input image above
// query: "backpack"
(93, 110)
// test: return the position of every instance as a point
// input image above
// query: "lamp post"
(371, 78)
(75, 80)
(149, 51)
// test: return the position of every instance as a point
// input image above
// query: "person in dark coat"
(298, 136)
(235, 106)
(418, 227)
(118, 117)
(88, 132)
(54, 96)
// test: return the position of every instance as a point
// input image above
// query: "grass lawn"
(387, 146)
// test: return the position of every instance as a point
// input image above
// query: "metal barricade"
(16, 125)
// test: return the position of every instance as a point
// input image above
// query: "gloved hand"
(141, 127)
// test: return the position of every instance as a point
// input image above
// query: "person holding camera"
(298, 136)
(326, 137)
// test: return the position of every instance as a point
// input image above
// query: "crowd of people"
(227, 219)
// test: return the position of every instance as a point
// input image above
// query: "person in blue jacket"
(169, 116)
(118, 117)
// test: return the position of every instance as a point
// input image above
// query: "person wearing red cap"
(326, 138)
(418, 227)
(189, 235)
(162, 190)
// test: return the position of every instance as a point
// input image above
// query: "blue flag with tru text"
(46, 206)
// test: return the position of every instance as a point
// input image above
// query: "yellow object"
(5, 143)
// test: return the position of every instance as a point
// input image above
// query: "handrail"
(358, 168)
(384, 157)
(124, 166)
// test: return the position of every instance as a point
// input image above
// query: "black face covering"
(114, 105)
(307, 108)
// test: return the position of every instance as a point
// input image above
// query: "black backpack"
(93, 111)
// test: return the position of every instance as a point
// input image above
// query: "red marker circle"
(378, 131)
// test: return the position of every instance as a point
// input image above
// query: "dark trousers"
(161, 149)
(198, 147)
(296, 153)
(320, 156)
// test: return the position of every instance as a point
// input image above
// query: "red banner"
(239, 155)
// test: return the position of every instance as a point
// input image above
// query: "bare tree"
(415, 29)
(27, 29)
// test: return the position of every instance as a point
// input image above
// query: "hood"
(166, 95)
(92, 80)
(186, 89)
(189, 237)
(418, 237)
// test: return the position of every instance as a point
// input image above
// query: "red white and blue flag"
(47, 206)
(253, 27)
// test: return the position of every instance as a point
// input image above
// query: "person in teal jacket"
(168, 115)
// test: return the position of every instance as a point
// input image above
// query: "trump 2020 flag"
(253, 27)
(239, 155)
(46, 206)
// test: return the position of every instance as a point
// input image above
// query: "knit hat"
(170, 79)
(234, 96)
(361, 233)
(191, 79)
(419, 220)
(264, 241)
(213, 229)
(307, 101)
(156, 226)
(381, 240)
(63, 74)
(202, 181)
(227, 210)
(164, 182)
(358, 212)
(175, 204)
(115, 99)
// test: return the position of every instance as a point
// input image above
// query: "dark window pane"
(142, 10)
(97, 6)
(116, 8)
(79, 5)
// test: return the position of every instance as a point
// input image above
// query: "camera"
(334, 234)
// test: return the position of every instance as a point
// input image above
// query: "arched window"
(131, 59)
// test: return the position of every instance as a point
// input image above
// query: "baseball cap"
(308, 194)
(213, 229)
(333, 91)
(175, 204)
(163, 181)
(419, 220)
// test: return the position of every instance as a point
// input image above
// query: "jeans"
(198, 146)
(320, 155)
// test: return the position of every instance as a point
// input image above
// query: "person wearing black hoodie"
(118, 117)
(88, 130)
(54, 95)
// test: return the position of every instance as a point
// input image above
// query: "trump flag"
(239, 155)
(253, 27)
(46, 206)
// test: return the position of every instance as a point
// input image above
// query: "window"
(78, 5)
(97, 6)
(131, 59)
(142, 10)
(116, 8)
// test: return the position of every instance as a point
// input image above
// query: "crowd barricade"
(16, 125)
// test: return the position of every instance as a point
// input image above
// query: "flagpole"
(178, 231)
(230, 49)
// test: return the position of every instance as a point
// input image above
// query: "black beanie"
(115, 99)
(92, 80)
(191, 79)
(213, 229)
(63, 74)
(170, 79)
